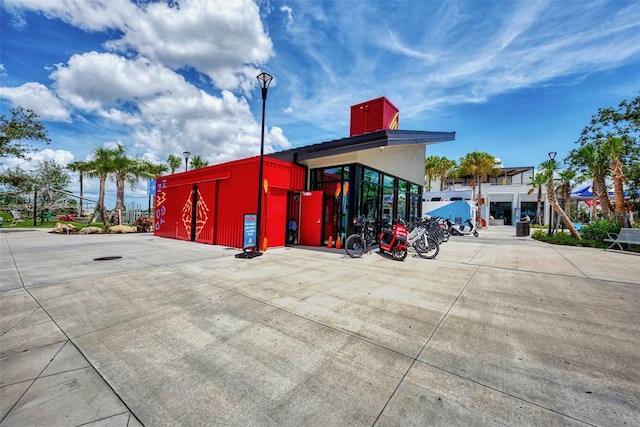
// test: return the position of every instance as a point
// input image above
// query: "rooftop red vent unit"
(371, 116)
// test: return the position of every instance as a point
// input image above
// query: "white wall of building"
(516, 193)
(404, 161)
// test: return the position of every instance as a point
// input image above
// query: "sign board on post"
(249, 238)
(249, 231)
(151, 187)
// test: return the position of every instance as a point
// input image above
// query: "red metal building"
(378, 171)
(207, 205)
(371, 116)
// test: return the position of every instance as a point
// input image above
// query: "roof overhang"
(382, 138)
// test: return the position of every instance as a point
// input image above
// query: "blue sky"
(515, 79)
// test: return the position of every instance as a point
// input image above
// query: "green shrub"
(597, 230)
(561, 238)
(540, 235)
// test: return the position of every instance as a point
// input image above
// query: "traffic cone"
(330, 242)
(338, 243)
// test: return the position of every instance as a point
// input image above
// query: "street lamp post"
(265, 80)
(186, 155)
(552, 157)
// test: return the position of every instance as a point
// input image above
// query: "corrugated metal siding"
(228, 191)
(298, 180)
(185, 205)
(164, 221)
(205, 219)
(374, 115)
(236, 196)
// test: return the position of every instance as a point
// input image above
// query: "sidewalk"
(497, 330)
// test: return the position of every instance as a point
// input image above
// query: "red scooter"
(395, 241)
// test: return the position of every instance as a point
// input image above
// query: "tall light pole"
(265, 80)
(552, 159)
(186, 155)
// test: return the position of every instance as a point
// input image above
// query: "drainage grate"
(107, 258)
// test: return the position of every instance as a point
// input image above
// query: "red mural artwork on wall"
(202, 214)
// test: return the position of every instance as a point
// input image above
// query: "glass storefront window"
(371, 176)
(380, 197)
(402, 199)
(415, 201)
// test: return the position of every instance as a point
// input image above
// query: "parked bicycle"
(423, 239)
(438, 227)
(360, 242)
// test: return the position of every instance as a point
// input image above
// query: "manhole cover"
(107, 258)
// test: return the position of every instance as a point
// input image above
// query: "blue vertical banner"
(249, 231)
(151, 187)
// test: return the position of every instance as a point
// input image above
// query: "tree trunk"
(600, 188)
(101, 208)
(81, 196)
(553, 201)
(618, 179)
(539, 210)
(594, 200)
(120, 184)
(567, 199)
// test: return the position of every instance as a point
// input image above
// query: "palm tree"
(566, 177)
(615, 148)
(174, 162)
(430, 172)
(198, 162)
(444, 168)
(130, 170)
(154, 170)
(125, 169)
(100, 167)
(479, 165)
(591, 161)
(81, 167)
(537, 181)
(549, 168)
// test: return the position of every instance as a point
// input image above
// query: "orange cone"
(330, 242)
(338, 243)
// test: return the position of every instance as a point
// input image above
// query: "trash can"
(522, 229)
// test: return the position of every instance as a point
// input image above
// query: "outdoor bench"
(630, 236)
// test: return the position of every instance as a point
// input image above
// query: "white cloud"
(167, 114)
(38, 98)
(222, 39)
(62, 157)
(288, 11)
(89, 15)
(92, 81)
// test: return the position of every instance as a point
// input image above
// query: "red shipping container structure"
(371, 116)
(207, 205)
(320, 188)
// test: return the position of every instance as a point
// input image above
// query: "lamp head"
(552, 155)
(265, 80)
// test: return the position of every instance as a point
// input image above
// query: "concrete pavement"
(497, 330)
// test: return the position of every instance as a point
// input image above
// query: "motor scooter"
(461, 229)
(395, 241)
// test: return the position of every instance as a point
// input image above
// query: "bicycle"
(423, 240)
(359, 243)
